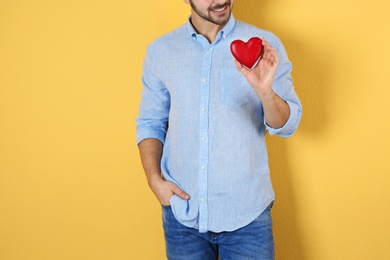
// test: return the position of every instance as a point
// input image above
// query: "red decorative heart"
(247, 53)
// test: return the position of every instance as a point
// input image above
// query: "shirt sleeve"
(155, 103)
(283, 87)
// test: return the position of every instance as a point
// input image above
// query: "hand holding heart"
(261, 77)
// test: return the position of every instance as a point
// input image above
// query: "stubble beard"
(219, 19)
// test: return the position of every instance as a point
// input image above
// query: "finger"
(267, 46)
(271, 57)
(269, 49)
(265, 43)
(164, 196)
(240, 67)
(164, 201)
(179, 192)
(238, 64)
(271, 54)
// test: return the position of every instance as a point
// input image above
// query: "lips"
(219, 8)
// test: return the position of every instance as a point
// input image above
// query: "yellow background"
(71, 184)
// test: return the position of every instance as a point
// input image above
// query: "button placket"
(203, 133)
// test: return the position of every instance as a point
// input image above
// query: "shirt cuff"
(292, 122)
(150, 133)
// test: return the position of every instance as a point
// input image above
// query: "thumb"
(240, 68)
(238, 65)
(179, 192)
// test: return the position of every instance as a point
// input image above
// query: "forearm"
(151, 151)
(276, 110)
(261, 78)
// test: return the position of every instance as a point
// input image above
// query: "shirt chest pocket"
(235, 90)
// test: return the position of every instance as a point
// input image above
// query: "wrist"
(154, 180)
(266, 95)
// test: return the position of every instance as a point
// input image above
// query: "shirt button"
(204, 80)
(202, 167)
(202, 199)
(203, 109)
(207, 52)
(203, 138)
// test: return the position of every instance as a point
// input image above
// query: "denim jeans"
(252, 242)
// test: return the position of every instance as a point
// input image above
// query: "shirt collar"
(226, 30)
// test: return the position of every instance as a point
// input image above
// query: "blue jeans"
(252, 242)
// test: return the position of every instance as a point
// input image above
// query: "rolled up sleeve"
(292, 123)
(283, 87)
(155, 104)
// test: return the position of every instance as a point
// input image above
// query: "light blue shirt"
(214, 146)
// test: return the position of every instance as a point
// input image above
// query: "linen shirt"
(211, 124)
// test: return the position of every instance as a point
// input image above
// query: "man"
(201, 134)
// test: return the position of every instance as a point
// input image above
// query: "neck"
(207, 29)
